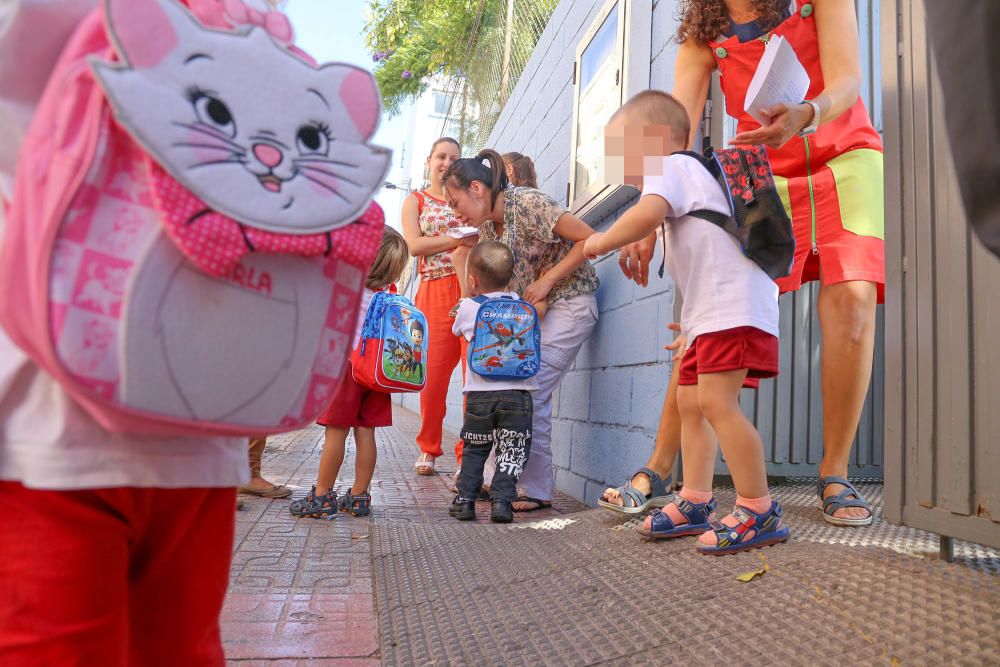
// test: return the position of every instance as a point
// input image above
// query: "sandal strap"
(630, 494)
(824, 482)
(695, 513)
(658, 486)
(842, 500)
(760, 524)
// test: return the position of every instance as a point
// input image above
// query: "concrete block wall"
(607, 409)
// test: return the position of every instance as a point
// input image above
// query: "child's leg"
(718, 397)
(512, 451)
(698, 448)
(477, 436)
(364, 458)
(331, 459)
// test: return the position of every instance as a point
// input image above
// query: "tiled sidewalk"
(570, 585)
(301, 590)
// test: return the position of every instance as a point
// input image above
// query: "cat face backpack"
(506, 341)
(192, 223)
(391, 356)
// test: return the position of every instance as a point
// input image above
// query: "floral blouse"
(529, 218)
(435, 219)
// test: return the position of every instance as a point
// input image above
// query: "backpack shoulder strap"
(479, 299)
(716, 218)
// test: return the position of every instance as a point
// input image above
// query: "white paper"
(462, 232)
(780, 79)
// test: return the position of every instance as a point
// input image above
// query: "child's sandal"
(767, 529)
(314, 506)
(359, 505)
(698, 515)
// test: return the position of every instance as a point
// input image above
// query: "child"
(355, 407)
(492, 407)
(730, 318)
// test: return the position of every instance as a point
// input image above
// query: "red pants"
(111, 577)
(435, 298)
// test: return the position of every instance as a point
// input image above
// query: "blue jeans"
(501, 420)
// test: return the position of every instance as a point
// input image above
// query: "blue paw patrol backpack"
(391, 356)
(507, 341)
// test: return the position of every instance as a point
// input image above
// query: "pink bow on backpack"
(274, 22)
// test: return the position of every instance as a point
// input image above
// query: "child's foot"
(745, 528)
(315, 506)
(424, 465)
(356, 505)
(463, 509)
(688, 513)
(502, 511)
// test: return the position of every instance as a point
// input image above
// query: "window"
(442, 102)
(612, 64)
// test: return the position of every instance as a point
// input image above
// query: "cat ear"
(146, 31)
(356, 88)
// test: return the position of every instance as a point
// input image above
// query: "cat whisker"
(325, 186)
(304, 167)
(216, 147)
(209, 163)
(311, 161)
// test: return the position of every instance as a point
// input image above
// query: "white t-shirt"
(722, 288)
(465, 324)
(46, 440)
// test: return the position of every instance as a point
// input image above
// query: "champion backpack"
(759, 220)
(391, 356)
(506, 341)
(184, 250)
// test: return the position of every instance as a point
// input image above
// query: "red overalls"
(830, 181)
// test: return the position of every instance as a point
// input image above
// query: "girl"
(426, 219)
(355, 407)
(549, 271)
(520, 170)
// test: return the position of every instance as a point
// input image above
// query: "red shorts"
(354, 405)
(113, 577)
(731, 350)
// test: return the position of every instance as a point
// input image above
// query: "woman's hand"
(679, 346)
(537, 291)
(785, 122)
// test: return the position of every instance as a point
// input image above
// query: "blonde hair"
(391, 259)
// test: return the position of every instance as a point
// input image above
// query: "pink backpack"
(192, 223)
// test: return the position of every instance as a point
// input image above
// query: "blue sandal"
(635, 501)
(842, 500)
(315, 507)
(698, 515)
(359, 505)
(767, 529)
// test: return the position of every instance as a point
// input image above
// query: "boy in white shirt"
(497, 412)
(730, 319)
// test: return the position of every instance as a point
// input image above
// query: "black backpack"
(759, 221)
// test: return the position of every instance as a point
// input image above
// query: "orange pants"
(435, 298)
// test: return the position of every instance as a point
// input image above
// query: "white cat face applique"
(252, 129)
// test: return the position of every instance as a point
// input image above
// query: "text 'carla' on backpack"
(192, 220)
(391, 356)
(759, 220)
(506, 341)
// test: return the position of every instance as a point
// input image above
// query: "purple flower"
(407, 74)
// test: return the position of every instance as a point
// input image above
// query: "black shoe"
(502, 511)
(463, 510)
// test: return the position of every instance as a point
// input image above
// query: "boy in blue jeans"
(730, 320)
(497, 412)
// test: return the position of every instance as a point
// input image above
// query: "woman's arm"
(839, 58)
(572, 229)
(692, 75)
(420, 245)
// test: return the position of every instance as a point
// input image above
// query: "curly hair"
(704, 20)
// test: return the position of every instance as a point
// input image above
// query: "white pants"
(565, 327)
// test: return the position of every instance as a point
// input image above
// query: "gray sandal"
(849, 497)
(635, 501)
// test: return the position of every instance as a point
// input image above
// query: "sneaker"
(316, 507)
(501, 511)
(463, 510)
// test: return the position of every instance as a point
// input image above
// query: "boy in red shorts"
(730, 318)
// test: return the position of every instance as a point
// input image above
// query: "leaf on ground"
(753, 574)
